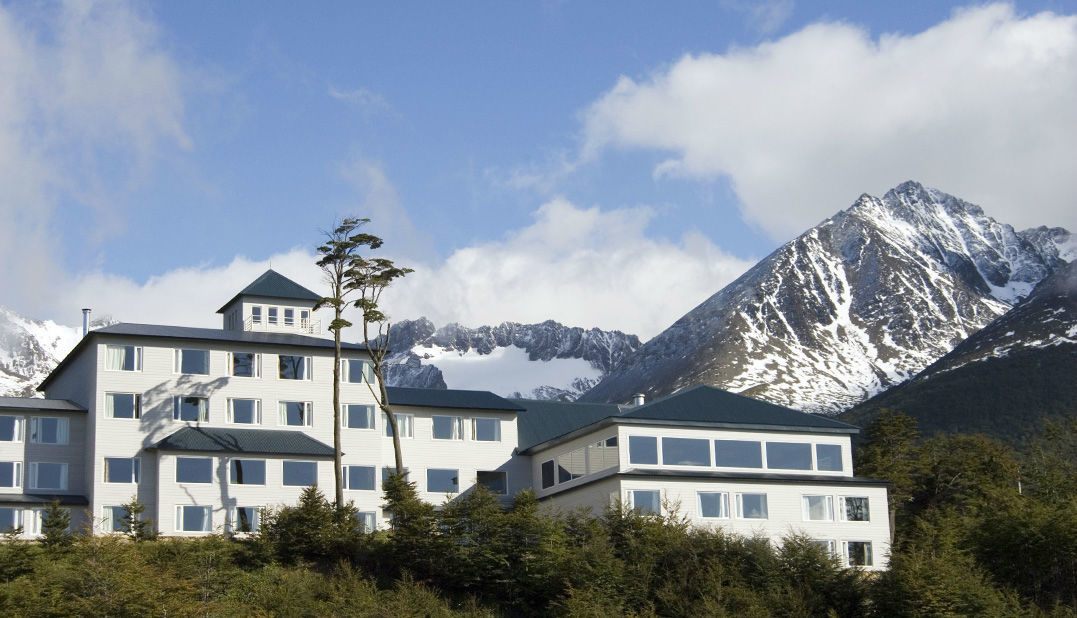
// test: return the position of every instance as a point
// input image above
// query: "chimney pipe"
(85, 320)
(638, 399)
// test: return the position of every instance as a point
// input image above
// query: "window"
(191, 361)
(826, 545)
(356, 371)
(123, 469)
(48, 430)
(442, 481)
(358, 416)
(686, 452)
(272, 315)
(245, 411)
(858, 553)
(293, 367)
(296, 413)
(643, 450)
(495, 480)
(448, 428)
(246, 518)
(788, 456)
(367, 520)
(359, 478)
(45, 475)
(738, 454)
(304, 318)
(752, 506)
(385, 472)
(194, 470)
(547, 474)
(405, 425)
(828, 457)
(486, 429)
(256, 315)
(289, 317)
(300, 473)
(818, 508)
(602, 455)
(247, 472)
(855, 508)
(193, 519)
(10, 428)
(10, 518)
(571, 465)
(40, 517)
(193, 409)
(123, 358)
(714, 504)
(10, 474)
(647, 501)
(246, 364)
(123, 405)
(112, 518)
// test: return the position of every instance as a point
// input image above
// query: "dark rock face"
(862, 301)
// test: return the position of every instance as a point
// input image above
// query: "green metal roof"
(546, 420)
(38, 404)
(449, 398)
(274, 285)
(244, 441)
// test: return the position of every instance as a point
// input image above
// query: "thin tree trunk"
(338, 472)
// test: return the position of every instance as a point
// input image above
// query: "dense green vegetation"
(1007, 398)
(981, 530)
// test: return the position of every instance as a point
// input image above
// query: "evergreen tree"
(55, 526)
(133, 524)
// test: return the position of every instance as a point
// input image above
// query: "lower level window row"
(245, 471)
(43, 475)
(438, 480)
(199, 518)
(712, 504)
(853, 553)
(30, 520)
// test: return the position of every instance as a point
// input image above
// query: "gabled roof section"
(197, 334)
(40, 405)
(272, 284)
(707, 404)
(449, 398)
(546, 420)
(245, 441)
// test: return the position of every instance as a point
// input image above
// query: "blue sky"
(530, 146)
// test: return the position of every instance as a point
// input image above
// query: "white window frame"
(272, 315)
(282, 414)
(842, 514)
(845, 552)
(265, 481)
(502, 472)
(108, 524)
(289, 320)
(308, 368)
(723, 503)
(203, 414)
(475, 428)
(367, 516)
(177, 361)
(345, 414)
(740, 505)
(257, 316)
(20, 425)
(136, 471)
(346, 477)
(805, 509)
(207, 518)
(632, 500)
(110, 409)
(831, 546)
(63, 430)
(35, 467)
(346, 372)
(458, 427)
(20, 518)
(257, 369)
(230, 415)
(138, 357)
(233, 518)
(176, 475)
(37, 520)
(285, 462)
(405, 423)
(16, 473)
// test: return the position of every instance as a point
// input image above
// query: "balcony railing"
(283, 325)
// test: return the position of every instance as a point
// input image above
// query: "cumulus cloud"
(580, 266)
(764, 16)
(980, 105)
(86, 90)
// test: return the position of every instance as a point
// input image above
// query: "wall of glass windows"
(723, 453)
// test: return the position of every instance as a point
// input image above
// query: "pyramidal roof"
(272, 284)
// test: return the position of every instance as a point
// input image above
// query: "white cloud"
(364, 99)
(980, 106)
(764, 16)
(85, 90)
(580, 266)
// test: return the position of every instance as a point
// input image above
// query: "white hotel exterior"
(208, 426)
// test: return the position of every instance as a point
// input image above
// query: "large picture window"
(714, 504)
(194, 518)
(405, 424)
(738, 454)
(10, 518)
(123, 358)
(191, 409)
(194, 362)
(643, 450)
(486, 429)
(10, 428)
(647, 501)
(357, 371)
(247, 472)
(359, 478)
(858, 553)
(495, 480)
(246, 519)
(293, 367)
(855, 508)
(112, 519)
(246, 364)
(448, 428)
(686, 452)
(442, 481)
(245, 411)
(48, 430)
(47, 475)
(300, 473)
(123, 469)
(752, 506)
(296, 413)
(788, 456)
(10, 474)
(367, 520)
(358, 416)
(123, 405)
(818, 508)
(828, 457)
(194, 470)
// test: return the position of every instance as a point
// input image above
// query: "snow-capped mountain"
(862, 301)
(544, 361)
(29, 350)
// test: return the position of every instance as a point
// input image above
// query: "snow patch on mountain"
(29, 350)
(507, 371)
